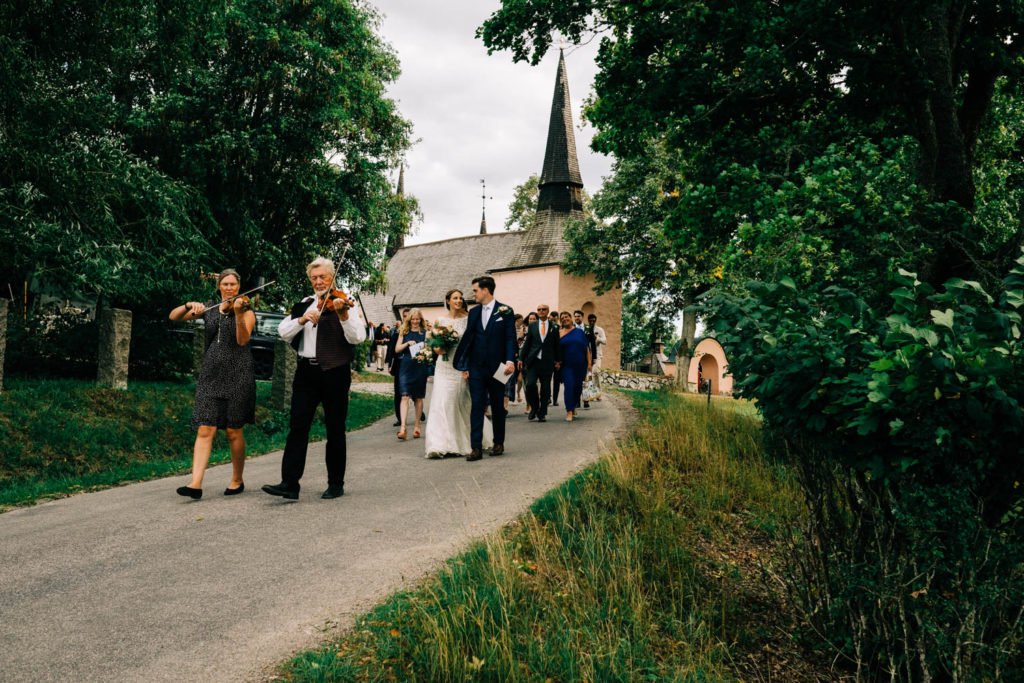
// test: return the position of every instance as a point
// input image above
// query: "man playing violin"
(323, 329)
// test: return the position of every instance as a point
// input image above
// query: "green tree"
(287, 130)
(641, 327)
(522, 212)
(822, 149)
(626, 239)
(77, 205)
(144, 143)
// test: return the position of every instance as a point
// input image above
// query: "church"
(525, 264)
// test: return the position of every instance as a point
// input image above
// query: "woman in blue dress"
(412, 376)
(575, 362)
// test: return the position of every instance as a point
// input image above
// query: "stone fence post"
(115, 335)
(3, 339)
(285, 360)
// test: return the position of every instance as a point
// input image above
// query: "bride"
(448, 430)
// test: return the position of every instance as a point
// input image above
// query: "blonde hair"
(321, 262)
(407, 324)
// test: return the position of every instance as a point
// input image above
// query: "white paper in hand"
(416, 347)
(500, 375)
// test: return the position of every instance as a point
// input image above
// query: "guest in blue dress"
(412, 376)
(576, 362)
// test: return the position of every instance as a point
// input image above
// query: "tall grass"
(606, 579)
(63, 436)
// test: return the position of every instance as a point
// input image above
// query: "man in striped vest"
(324, 341)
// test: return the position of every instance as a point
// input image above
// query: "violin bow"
(334, 282)
(232, 298)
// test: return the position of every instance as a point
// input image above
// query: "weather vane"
(483, 195)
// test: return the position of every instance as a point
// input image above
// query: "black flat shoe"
(189, 492)
(283, 490)
(333, 492)
(235, 492)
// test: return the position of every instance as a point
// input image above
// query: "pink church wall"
(578, 292)
(523, 290)
(709, 356)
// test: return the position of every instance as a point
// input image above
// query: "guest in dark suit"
(394, 363)
(488, 344)
(539, 357)
(323, 331)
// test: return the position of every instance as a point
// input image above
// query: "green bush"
(906, 427)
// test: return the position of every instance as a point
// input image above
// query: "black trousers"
(556, 381)
(313, 386)
(539, 404)
(398, 394)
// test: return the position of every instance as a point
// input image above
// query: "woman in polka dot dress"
(226, 390)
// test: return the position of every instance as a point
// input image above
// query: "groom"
(488, 344)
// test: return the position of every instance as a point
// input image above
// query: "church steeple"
(561, 186)
(396, 242)
(483, 208)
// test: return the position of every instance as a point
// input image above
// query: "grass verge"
(648, 565)
(59, 437)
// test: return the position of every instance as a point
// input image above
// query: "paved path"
(135, 583)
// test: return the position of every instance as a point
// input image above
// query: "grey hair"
(321, 262)
(226, 272)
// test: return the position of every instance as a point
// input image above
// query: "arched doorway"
(708, 370)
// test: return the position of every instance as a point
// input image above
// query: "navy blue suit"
(481, 351)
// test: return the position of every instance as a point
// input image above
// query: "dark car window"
(266, 323)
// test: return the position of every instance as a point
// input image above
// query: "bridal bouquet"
(444, 338)
(424, 356)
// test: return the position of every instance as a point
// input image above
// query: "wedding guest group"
(226, 389)
(323, 328)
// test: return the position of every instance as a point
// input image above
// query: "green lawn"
(637, 569)
(62, 436)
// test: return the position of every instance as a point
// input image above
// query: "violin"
(335, 300)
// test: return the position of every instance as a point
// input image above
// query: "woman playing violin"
(226, 390)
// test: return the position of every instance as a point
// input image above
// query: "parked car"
(262, 343)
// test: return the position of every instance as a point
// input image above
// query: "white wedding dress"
(448, 428)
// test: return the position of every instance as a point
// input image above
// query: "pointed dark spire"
(396, 242)
(483, 207)
(560, 181)
(561, 186)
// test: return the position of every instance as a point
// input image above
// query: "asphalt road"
(136, 583)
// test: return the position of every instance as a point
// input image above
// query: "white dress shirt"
(485, 313)
(354, 328)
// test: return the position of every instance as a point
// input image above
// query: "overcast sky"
(475, 116)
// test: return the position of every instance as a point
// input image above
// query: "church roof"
(377, 308)
(422, 274)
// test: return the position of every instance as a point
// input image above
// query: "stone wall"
(635, 380)
(115, 335)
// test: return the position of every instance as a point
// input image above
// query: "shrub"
(905, 425)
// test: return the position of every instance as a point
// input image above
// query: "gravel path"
(135, 583)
